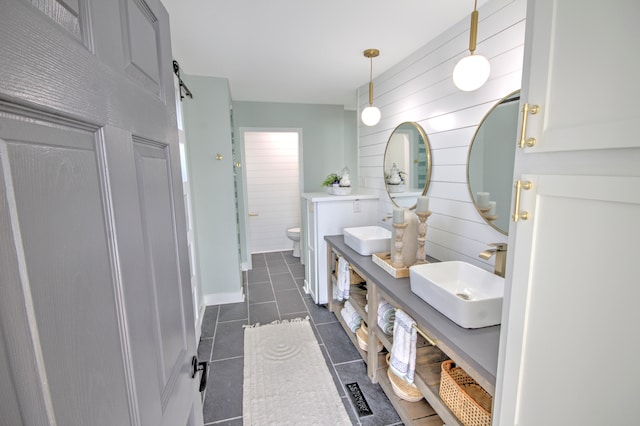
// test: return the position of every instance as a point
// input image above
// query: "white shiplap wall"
(273, 188)
(421, 89)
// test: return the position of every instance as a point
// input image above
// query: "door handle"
(199, 366)
(517, 214)
(526, 110)
(253, 214)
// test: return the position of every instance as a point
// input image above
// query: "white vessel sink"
(367, 240)
(467, 295)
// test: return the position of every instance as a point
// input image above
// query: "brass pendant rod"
(371, 53)
(473, 33)
(371, 83)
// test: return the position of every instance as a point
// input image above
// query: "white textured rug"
(286, 379)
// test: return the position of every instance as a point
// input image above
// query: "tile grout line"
(295, 287)
(217, 422)
(321, 344)
(266, 266)
(333, 365)
(273, 288)
(215, 329)
(349, 362)
(228, 358)
(300, 290)
(335, 370)
(330, 362)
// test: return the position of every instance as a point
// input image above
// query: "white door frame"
(245, 247)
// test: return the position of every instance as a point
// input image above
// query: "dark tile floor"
(274, 292)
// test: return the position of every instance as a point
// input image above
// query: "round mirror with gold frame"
(490, 162)
(407, 164)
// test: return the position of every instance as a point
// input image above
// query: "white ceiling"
(303, 51)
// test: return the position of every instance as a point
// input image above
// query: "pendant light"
(371, 115)
(472, 71)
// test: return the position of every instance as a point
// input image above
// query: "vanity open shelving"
(410, 412)
(358, 300)
(475, 350)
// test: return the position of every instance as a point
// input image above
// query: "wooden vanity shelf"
(358, 299)
(427, 371)
(411, 413)
(476, 351)
(427, 374)
(354, 277)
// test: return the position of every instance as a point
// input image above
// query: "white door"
(569, 347)
(96, 320)
(273, 188)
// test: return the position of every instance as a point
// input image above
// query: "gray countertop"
(477, 348)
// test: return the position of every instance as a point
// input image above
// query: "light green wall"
(208, 132)
(351, 144)
(329, 141)
(328, 134)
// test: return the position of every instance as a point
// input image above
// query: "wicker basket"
(404, 390)
(363, 337)
(464, 396)
(354, 278)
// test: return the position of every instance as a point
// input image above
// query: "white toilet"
(294, 235)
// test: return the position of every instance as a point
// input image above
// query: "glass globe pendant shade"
(370, 116)
(471, 72)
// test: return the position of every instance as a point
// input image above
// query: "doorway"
(272, 178)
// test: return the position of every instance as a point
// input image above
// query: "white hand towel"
(343, 280)
(403, 351)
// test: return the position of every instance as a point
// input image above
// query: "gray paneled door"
(96, 314)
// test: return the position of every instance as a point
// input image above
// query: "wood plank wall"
(421, 89)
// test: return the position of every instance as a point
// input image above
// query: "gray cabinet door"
(96, 313)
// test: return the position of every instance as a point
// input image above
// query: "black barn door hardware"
(184, 90)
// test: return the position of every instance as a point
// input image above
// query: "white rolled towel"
(351, 318)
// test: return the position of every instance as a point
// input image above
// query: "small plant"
(331, 179)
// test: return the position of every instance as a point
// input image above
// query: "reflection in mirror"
(407, 164)
(490, 162)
